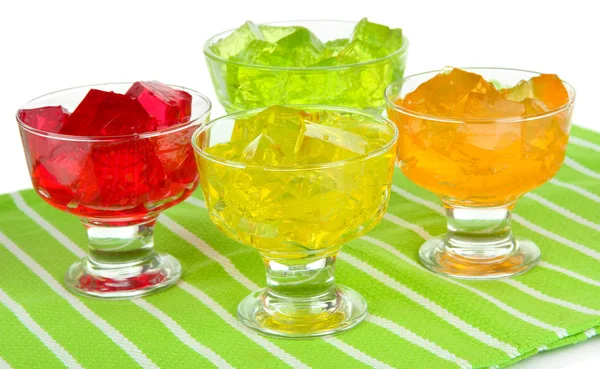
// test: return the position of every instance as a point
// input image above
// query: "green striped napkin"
(417, 319)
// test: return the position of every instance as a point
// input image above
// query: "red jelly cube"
(48, 119)
(123, 173)
(176, 157)
(103, 113)
(49, 187)
(173, 149)
(167, 105)
(57, 174)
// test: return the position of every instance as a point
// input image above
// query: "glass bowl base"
(435, 256)
(123, 281)
(304, 320)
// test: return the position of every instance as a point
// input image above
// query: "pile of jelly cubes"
(297, 46)
(460, 94)
(282, 136)
(116, 170)
(145, 107)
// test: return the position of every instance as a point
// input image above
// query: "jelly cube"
(50, 187)
(518, 92)
(358, 51)
(534, 106)
(246, 130)
(255, 87)
(333, 47)
(47, 119)
(300, 48)
(446, 93)
(275, 33)
(258, 52)
(283, 126)
(487, 140)
(337, 137)
(263, 151)
(56, 174)
(478, 105)
(174, 153)
(377, 134)
(546, 87)
(237, 41)
(167, 105)
(172, 167)
(103, 113)
(123, 173)
(550, 89)
(378, 35)
(324, 144)
(228, 151)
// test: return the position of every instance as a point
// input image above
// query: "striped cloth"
(417, 319)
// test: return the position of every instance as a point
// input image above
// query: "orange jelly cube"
(445, 94)
(479, 105)
(534, 106)
(547, 88)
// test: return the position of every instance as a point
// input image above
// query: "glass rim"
(288, 168)
(175, 128)
(524, 118)
(210, 54)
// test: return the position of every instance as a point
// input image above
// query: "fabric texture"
(416, 319)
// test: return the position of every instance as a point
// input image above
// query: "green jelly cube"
(257, 52)
(276, 33)
(378, 35)
(333, 47)
(285, 127)
(257, 88)
(359, 51)
(237, 41)
(299, 49)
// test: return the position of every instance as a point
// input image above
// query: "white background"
(50, 45)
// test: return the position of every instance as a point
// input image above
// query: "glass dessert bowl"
(480, 146)
(116, 184)
(241, 83)
(296, 189)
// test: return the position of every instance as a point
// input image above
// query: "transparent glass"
(479, 168)
(117, 186)
(297, 218)
(242, 86)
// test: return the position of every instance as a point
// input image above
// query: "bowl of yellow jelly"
(296, 183)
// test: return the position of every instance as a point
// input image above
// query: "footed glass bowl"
(241, 86)
(117, 186)
(479, 168)
(297, 218)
